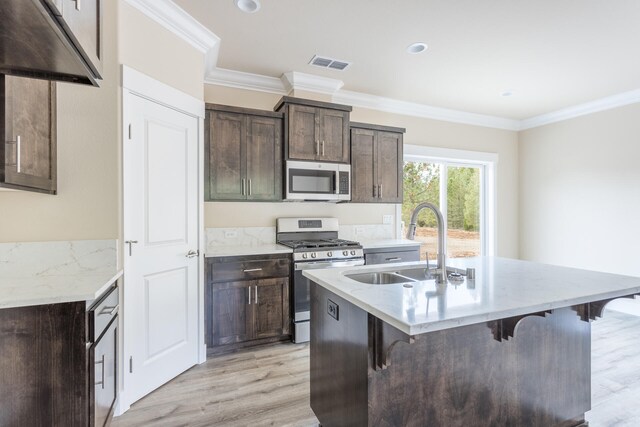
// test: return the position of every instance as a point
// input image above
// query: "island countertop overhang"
(502, 288)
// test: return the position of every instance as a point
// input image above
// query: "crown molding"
(294, 80)
(173, 18)
(608, 103)
(241, 80)
(363, 100)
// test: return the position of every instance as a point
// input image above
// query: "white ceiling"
(551, 53)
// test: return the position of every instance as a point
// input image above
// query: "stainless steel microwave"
(315, 181)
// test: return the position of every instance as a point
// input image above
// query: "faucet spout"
(441, 256)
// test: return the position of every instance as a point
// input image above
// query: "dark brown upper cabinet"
(243, 153)
(315, 131)
(52, 39)
(28, 129)
(376, 163)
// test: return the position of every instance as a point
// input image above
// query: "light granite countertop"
(244, 250)
(38, 290)
(388, 243)
(502, 288)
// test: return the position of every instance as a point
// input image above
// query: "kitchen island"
(510, 347)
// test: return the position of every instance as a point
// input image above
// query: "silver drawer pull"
(110, 310)
(101, 382)
(249, 301)
(249, 270)
(393, 259)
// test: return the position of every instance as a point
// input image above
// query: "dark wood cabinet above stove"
(52, 39)
(315, 131)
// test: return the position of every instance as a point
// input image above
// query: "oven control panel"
(333, 254)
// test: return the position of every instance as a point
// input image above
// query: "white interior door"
(161, 220)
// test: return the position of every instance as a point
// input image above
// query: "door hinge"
(131, 364)
(129, 130)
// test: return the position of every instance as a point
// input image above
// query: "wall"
(420, 131)
(86, 206)
(153, 50)
(579, 198)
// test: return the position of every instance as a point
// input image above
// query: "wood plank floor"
(269, 386)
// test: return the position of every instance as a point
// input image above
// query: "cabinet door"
(226, 158)
(389, 166)
(264, 158)
(304, 139)
(104, 376)
(231, 312)
(30, 133)
(363, 174)
(271, 308)
(334, 136)
(83, 18)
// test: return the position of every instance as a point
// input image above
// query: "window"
(461, 184)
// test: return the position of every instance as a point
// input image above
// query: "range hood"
(37, 42)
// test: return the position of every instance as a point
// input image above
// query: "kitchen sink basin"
(379, 278)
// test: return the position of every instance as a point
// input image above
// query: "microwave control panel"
(343, 185)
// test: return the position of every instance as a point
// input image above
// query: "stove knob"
(313, 254)
(329, 254)
(304, 256)
(353, 252)
(345, 253)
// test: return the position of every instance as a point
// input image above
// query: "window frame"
(488, 164)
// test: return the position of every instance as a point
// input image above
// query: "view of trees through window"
(422, 184)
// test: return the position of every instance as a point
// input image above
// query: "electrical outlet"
(332, 309)
(387, 219)
(359, 230)
(230, 234)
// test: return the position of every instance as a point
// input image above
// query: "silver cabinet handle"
(256, 294)
(130, 243)
(192, 253)
(249, 302)
(317, 147)
(395, 258)
(249, 186)
(244, 186)
(322, 148)
(249, 270)
(101, 382)
(110, 310)
(18, 143)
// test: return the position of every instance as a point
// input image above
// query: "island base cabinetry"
(365, 372)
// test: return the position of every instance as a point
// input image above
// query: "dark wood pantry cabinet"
(376, 163)
(28, 129)
(243, 154)
(315, 131)
(246, 301)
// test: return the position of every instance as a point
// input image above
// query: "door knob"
(192, 254)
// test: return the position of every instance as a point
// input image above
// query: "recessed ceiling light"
(248, 6)
(416, 48)
(506, 93)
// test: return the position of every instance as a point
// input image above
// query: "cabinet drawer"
(248, 269)
(391, 257)
(102, 313)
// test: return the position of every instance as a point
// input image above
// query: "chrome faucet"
(441, 267)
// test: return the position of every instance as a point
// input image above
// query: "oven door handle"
(327, 264)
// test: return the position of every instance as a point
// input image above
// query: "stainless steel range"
(315, 245)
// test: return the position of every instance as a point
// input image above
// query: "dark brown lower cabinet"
(58, 363)
(246, 305)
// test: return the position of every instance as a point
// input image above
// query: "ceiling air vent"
(334, 64)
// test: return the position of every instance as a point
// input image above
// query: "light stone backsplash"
(63, 258)
(240, 236)
(367, 232)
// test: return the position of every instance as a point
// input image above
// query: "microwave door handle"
(337, 182)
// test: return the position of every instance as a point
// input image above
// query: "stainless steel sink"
(420, 273)
(379, 278)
